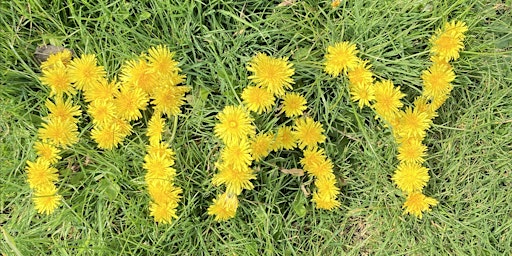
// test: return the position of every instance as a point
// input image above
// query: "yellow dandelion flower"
(308, 132)
(169, 99)
(163, 212)
(416, 203)
(46, 199)
(107, 136)
(84, 71)
(138, 74)
(410, 177)
(163, 191)
(325, 201)
(363, 93)
(60, 58)
(224, 207)
(448, 42)
(161, 61)
(57, 78)
(438, 101)
(312, 157)
(412, 151)
(235, 179)
(273, 74)
(261, 145)
(124, 128)
(40, 174)
(258, 99)
(321, 169)
(158, 168)
(63, 110)
(101, 91)
(326, 185)
(294, 104)
(360, 74)
(437, 79)
(335, 3)
(340, 58)
(235, 124)
(102, 112)
(412, 123)
(59, 132)
(47, 152)
(422, 104)
(237, 154)
(161, 149)
(156, 127)
(129, 102)
(284, 138)
(387, 99)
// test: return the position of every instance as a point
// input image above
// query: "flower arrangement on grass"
(242, 144)
(151, 81)
(409, 126)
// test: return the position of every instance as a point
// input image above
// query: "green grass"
(105, 205)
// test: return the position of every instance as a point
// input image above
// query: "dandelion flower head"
(273, 74)
(224, 207)
(416, 203)
(410, 177)
(294, 104)
(234, 124)
(85, 72)
(308, 132)
(340, 58)
(258, 99)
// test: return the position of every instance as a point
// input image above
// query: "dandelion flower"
(155, 128)
(422, 104)
(448, 42)
(335, 3)
(258, 99)
(284, 138)
(224, 207)
(438, 101)
(161, 149)
(237, 154)
(412, 151)
(235, 124)
(340, 58)
(84, 72)
(123, 126)
(410, 177)
(40, 174)
(47, 152)
(387, 99)
(321, 169)
(261, 145)
(326, 185)
(102, 112)
(235, 179)
(293, 104)
(129, 102)
(413, 124)
(63, 110)
(163, 212)
(46, 199)
(360, 74)
(138, 74)
(159, 168)
(325, 201)
(59, 132)
(273, 74)
(161, 61)
(437, 79)
(416, 203)
(163, 191)
(363, 93)
(101, 91)
(308, 132)
(61, 58)
(107, 136)
(57, 78)
(312, 157)
(169, 99)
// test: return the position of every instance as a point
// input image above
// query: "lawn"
(105, 202)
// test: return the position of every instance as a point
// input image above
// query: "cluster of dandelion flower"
(409, 126)
(271, 78)
(59, 131)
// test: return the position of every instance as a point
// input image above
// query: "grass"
(105, 204)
